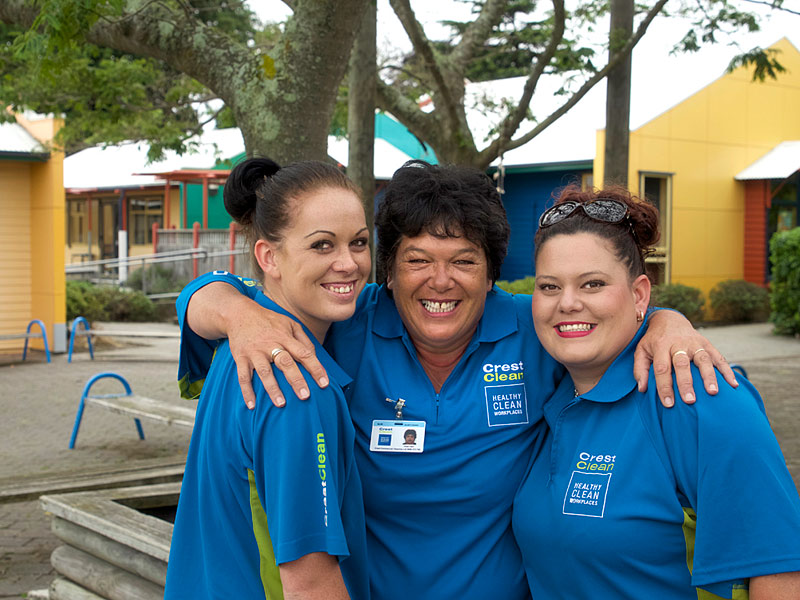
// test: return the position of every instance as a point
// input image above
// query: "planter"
(116, 542)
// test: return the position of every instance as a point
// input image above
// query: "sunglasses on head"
(605, 210)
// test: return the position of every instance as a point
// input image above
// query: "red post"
(195, 244)
(167, 205)
(155, 238)
(205, 203)
(232, 263)
(183, 194)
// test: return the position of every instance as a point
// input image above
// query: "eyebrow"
(580, 275)
(465, 250)
(330, 233)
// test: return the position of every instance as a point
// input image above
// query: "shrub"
(737, 300)
(76, 298)
(159, 280)
(785, 287)
(686, 299)
(518, 286)
(106, 303)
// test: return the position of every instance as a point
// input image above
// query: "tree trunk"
(618, 97)
(283, 101)
(361, 114)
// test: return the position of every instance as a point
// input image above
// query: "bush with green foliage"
(785, 286)
(737, 301)
(518, 286)
(684, 298)
(107, 303)
(158, 279)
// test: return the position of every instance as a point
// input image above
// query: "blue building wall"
(527, 195)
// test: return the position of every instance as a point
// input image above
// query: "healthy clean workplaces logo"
(506, 402)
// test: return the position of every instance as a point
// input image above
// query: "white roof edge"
(779, 163)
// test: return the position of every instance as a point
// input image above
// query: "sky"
(659, 80)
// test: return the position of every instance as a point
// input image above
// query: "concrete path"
(38, 403)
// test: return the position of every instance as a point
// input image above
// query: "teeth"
(341, 289)
(575, 327)
(438, 307)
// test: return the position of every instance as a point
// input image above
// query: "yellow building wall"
(47, 207)
(704, 142)
(31, 244)
(15, 268)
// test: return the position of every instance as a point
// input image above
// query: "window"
(144, 212)
(76, 221)
(656, 188)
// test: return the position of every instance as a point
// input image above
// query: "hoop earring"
(639, 316)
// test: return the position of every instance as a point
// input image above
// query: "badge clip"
(398, 407)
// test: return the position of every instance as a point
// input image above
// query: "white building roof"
(387, 157)
(14, 138)
(779, 163)
(114, 166)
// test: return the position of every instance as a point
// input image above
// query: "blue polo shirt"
(439, 522)
(627, 499)
(265, 487)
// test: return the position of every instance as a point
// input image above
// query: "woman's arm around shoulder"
(781, 586)
(218, 305)
(315, 576)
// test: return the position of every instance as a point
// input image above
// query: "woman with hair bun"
(271, 502)
(625, 499)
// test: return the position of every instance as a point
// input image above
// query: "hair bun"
(239, 194)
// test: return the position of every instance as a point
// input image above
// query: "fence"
(189, 252)
(226, 249)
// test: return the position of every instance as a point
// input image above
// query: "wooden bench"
(89, 333)
(134, 406)
(28, 335)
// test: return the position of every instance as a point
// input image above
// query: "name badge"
(397, 436)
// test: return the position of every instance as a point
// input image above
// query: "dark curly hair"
(631, 238)
(444, 201)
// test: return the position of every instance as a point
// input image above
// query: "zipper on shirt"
(554, 449)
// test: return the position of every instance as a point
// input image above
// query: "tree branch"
(774, 6)
(424, 48)
(511, 123)
(421, 124)
(499, 145)
(477, 33)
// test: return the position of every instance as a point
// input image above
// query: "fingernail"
(280, 401)
(304, 394)
(251, 405)
(668, 402)
(690, 397)
(323, 382)
(712, 387)
(735, 383)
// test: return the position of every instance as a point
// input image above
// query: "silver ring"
(275, 353)
(674, 354)
(698, 350)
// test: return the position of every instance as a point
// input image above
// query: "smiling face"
(322, 262)
(585, 305)
(439, 286)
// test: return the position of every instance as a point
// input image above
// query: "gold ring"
(679, 352)
(275, 353)
(698, 350)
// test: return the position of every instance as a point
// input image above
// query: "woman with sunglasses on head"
(625, 499)
(271, 502)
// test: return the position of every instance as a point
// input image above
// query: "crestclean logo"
(322, 469)
(503, 372)
(506, 401)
